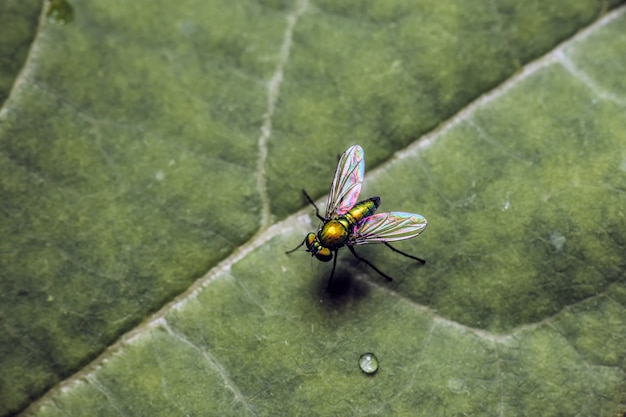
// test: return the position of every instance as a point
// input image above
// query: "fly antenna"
(296, 248)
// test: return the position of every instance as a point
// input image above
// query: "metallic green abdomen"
(361, 210)
(335, 232)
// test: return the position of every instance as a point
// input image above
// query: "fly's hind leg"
(403, 253)
(387, 277)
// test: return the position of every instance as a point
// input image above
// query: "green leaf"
(18, 20)
(142, 145)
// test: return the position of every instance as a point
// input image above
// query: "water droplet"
(368, 362)
(60, 11)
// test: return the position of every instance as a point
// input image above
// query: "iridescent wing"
(387, 227)
(347, 183)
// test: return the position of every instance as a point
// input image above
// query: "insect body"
(348, 223)
(336, 232)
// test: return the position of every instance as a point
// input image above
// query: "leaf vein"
(273, 90)
(213, 362)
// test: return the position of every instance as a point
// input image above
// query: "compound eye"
(324, 254)
(311, 242)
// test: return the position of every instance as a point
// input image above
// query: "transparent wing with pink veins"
(347, 182)
(388, 227)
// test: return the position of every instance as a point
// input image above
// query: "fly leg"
(332, 273)
(403, 253)
(387, 277)
(317, 212)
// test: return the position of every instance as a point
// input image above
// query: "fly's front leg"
(332, 273)
(317, 212)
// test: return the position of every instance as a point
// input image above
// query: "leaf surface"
(142, 145)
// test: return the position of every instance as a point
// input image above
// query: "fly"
(348, 223)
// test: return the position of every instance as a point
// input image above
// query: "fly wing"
(347, 183)
(388, 227)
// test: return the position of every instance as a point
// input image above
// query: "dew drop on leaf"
(368, 362)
